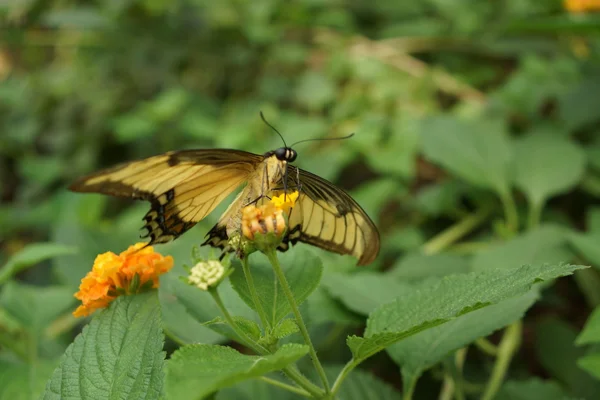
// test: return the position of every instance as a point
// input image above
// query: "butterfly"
(183, 187)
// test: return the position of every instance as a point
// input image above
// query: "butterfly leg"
(298, 183)
(264, 184)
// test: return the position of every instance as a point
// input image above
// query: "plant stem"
(410, 390)
(295, 376)
(244, 338)
(459, 360)
(456, 231)
(254, 294)
(299, 320)
(510, 211)
(535, 214)
(340, 378)
(487, 347)
(507, 348)
(452, 387)
(285, 386)
(447, 392)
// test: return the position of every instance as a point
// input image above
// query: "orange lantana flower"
(132, 271)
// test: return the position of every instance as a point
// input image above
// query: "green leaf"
(423, 350)
(386, 189)
(363, 292)
(195, 371)
(418, 266)
(478, 151)
(30, 255)
(177, 321)
(433, 304)
(302, 269)
(558, 355)
(362, 385)
(200, 307)
(439, 199)
(34, 306)
(592, 152)
(591, 363)
(250, 327)
(286, 327)
(547, 164)
(588, 246)
(533, 388)
(578, 106)
(254, 389)
(323, 308)
(24, 381)
(118, 355)
(591, 330)
(592, 220)
(546, 244)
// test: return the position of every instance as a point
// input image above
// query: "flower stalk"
(291, 373)
(272, 256)
(254, 294)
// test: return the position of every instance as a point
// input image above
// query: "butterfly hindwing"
(327, 217)
(183, 187)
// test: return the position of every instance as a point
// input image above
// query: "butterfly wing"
(182, 187)
(327, 217)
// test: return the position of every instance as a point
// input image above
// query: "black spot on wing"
(217, 237)
(161, 225)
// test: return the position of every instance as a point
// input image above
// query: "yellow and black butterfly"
(184, 186)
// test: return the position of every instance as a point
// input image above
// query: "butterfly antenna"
(320, 139)
(272, 127)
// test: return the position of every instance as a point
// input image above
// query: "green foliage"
(29, 256)
(449, 298)
(422, 351)
(530, 389)
(119, 353)
(33, 307)
(539, 172)
(546, 244)
(24, 381)
(476, 152)
(196, 371)
(590, 334)
(303, 271)
(558, 354)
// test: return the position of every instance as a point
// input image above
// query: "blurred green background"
(461, 108)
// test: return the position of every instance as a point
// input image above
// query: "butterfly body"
(183, 187)
(259, 187)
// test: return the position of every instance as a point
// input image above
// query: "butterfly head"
(285, 154)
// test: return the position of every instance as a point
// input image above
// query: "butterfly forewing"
(183, 187)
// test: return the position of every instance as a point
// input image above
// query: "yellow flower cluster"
(269, 217)
(135, 269)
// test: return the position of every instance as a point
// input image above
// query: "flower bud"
(206, 274)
